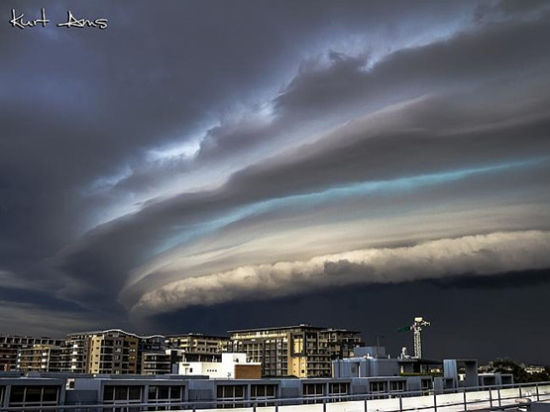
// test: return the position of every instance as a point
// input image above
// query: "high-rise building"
(42, 358)
(196, 347)
(303, 351)
(10, 345)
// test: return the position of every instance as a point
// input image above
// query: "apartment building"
(151, 349)
(75, 353)
(102, 352)
(114, 352)
(10, 345)
(340, 342)
(41, 358)
(156, 363)
(303, 351)
(196, 347)
(118, 352)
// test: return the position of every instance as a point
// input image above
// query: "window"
(263, 393)
(50, 394)
(176, 392)
(134, 393)
(17, 394)
(377, 387)
(397, 386)
(165, 394)
(337, 390)
(32, 395)
(230, 393)
(122, 395)
(426, 385)
(313, 390)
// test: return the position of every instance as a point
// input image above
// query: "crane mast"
(417, 326)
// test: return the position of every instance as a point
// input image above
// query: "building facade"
(113, 352)
(102, 352)
(231, 366)
(41, 358)
(156, 363)
(196, 393)
(148, 348)
(10, 345)
(75, 352)
(196, 347)
(303, 351)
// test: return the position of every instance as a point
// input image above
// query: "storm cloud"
(201, 154)
(481, 254)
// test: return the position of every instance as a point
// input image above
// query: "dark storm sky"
(211, 165)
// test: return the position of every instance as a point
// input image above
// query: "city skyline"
(219, 165)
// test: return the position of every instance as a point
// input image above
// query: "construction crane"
(418, 324)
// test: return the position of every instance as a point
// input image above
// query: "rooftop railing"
(490, 398)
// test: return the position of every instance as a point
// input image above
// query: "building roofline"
(99, 332)
(7, 335)
(341, 330)
(302, 325)
(420, 360)
(196, 335)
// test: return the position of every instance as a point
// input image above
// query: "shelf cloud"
(219, 153)
(473, 255)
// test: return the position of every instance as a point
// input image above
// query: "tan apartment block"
(301, 351)
(41, 358)
(113, 352)
(10, 345)
(102, 352)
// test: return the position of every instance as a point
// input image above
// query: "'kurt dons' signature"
(19, 21)
(80, 23)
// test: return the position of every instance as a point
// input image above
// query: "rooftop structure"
(231, 366)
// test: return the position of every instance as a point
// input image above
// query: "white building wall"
(216, 370)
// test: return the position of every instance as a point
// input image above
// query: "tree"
(519, 372)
